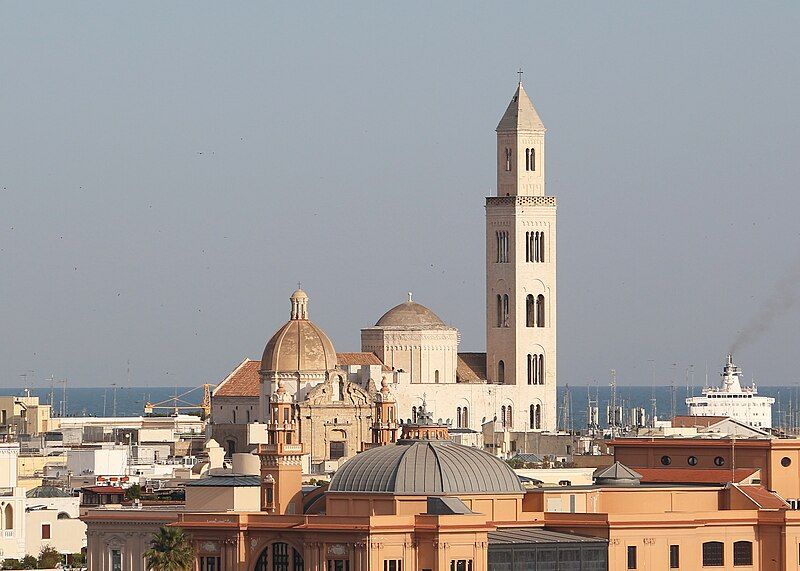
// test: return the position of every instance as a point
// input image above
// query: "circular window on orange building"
(692, 460)
(786, 461)
(719, 461)
(666, 460)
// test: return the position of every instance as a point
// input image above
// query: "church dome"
(410, 314)
(299, 345)
(426, 467)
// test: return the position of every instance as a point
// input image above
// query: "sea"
(130, 401)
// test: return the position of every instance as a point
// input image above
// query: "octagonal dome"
(299, 345)
(426, 467)
(410, 314)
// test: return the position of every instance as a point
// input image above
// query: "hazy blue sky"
(170, 171)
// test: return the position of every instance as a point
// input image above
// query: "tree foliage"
(134, 492)
(49, 558)
(170, 550)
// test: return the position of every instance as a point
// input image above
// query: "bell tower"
(384, 426)
(521, 269)
(281, 458)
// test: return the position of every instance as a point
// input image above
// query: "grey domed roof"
(426, 467)
(410, 314)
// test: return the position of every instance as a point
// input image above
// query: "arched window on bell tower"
(532, 159)
(530, 311)
(501, 372)
(540, 310)
(505, 310)
(499, 310)
(508, 159)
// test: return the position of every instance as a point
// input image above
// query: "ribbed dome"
(426, 467)
(410, 314)
(299, 345)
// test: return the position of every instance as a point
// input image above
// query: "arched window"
(540, 311)
(535, 256)
(532, 159)
(499, 310)
(247, 414)
(713, 554)
(541, 246)
(530, 311)
(540, 374)
(436, 376)
(505, 310)
(458, 417)
(414, 414)
(8, 517)
(501, 372)
(502, 246)
(234, 417)
(527, 247)
(530, 369)
(509, 418)
(279, 557)
(508, 159)
(742, 553)
(503, 415)
(465, 418)
(538, 417)
(532, 415)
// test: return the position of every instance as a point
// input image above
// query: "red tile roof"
(687, 421)
(763, 498)
(692, 475)
(244, 381)
(357, 359)
(471, 368)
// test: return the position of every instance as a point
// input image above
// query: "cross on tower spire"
(520, 75)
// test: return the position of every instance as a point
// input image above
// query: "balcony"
(280, 448)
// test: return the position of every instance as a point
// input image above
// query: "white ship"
(732, 400)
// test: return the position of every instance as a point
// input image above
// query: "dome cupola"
(298, 346)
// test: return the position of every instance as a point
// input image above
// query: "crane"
(177, 403)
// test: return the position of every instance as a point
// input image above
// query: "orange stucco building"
(425, 503)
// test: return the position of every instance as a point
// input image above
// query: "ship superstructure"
(733, 400)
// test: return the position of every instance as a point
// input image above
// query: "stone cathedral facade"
(413, 352)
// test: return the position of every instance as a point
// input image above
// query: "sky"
(170, 171)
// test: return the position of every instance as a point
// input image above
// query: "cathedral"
(410, 356)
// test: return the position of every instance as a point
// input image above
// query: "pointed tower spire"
(520, 114)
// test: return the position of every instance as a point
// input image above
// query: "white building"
(732, 400)
(30, 522)
(101, 461)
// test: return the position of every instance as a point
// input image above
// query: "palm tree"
(170, 550)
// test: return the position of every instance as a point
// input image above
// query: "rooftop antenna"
(52, 380)
(672, 388)
(653, 400)
(566, 410)
(114, 400)
(63, 397)
(591, 421)
(613, 401)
